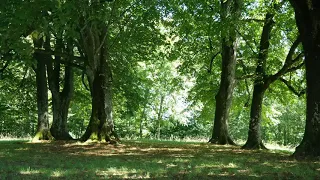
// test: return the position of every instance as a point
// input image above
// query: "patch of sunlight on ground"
(12, 138)
(279, 147)
(204, 166)
(29, 171)
(244, 171)
(57, 173)
(123, 173)
(163, 149)
(159, 162)
(230, 165)
(39, 141)
(170, 165)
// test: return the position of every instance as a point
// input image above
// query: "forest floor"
(147, 160)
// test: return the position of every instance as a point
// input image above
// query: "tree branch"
(211, 62)
(289, 61)
(295, 68)
(253, 20)
(83, 81)
(251, 48)
(291, 88)
(247, 76)
(54, 53)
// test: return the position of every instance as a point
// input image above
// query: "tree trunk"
(143, 116)
(254, 134)
(43, 132)
(160, 116)
(220, 134)
(60, 108)
(60, 100)
(94, 44)
(308, 22)
(101, 125)
(260, 86)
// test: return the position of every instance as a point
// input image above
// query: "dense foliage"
(165, 60)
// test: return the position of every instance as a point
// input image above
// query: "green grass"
(147, 160)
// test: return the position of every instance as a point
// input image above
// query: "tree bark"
(143, 116)
(60, 100)
(101, 125)
(160, 116)
(308, 22)
(99, 72)
(260, 86)
(60, 108)
(43, 132)
(230, 11)
(254, 140)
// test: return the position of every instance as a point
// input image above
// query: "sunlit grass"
(136, 159)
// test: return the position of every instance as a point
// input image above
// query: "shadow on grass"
(147, 160)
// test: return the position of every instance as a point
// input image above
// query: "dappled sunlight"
(22, 149)
(57, 174)
(244, 171)
(125, 173)
(130, 160)
(29, 171)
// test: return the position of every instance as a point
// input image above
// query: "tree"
(263, 80)
(110, 34)
(43, 131)
(308, 22)
(230, 14)
(60, 99)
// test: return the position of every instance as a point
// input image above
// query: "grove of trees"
(226, 70)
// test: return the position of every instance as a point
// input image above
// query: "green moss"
(43, 135)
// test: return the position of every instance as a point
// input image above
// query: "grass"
(147, 160)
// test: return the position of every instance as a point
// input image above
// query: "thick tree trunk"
(60, 108)
(220, 134)
(94, 44)
(60, 100)
(101, 126)
(43, 132)
(308, 22)
(254, 140)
